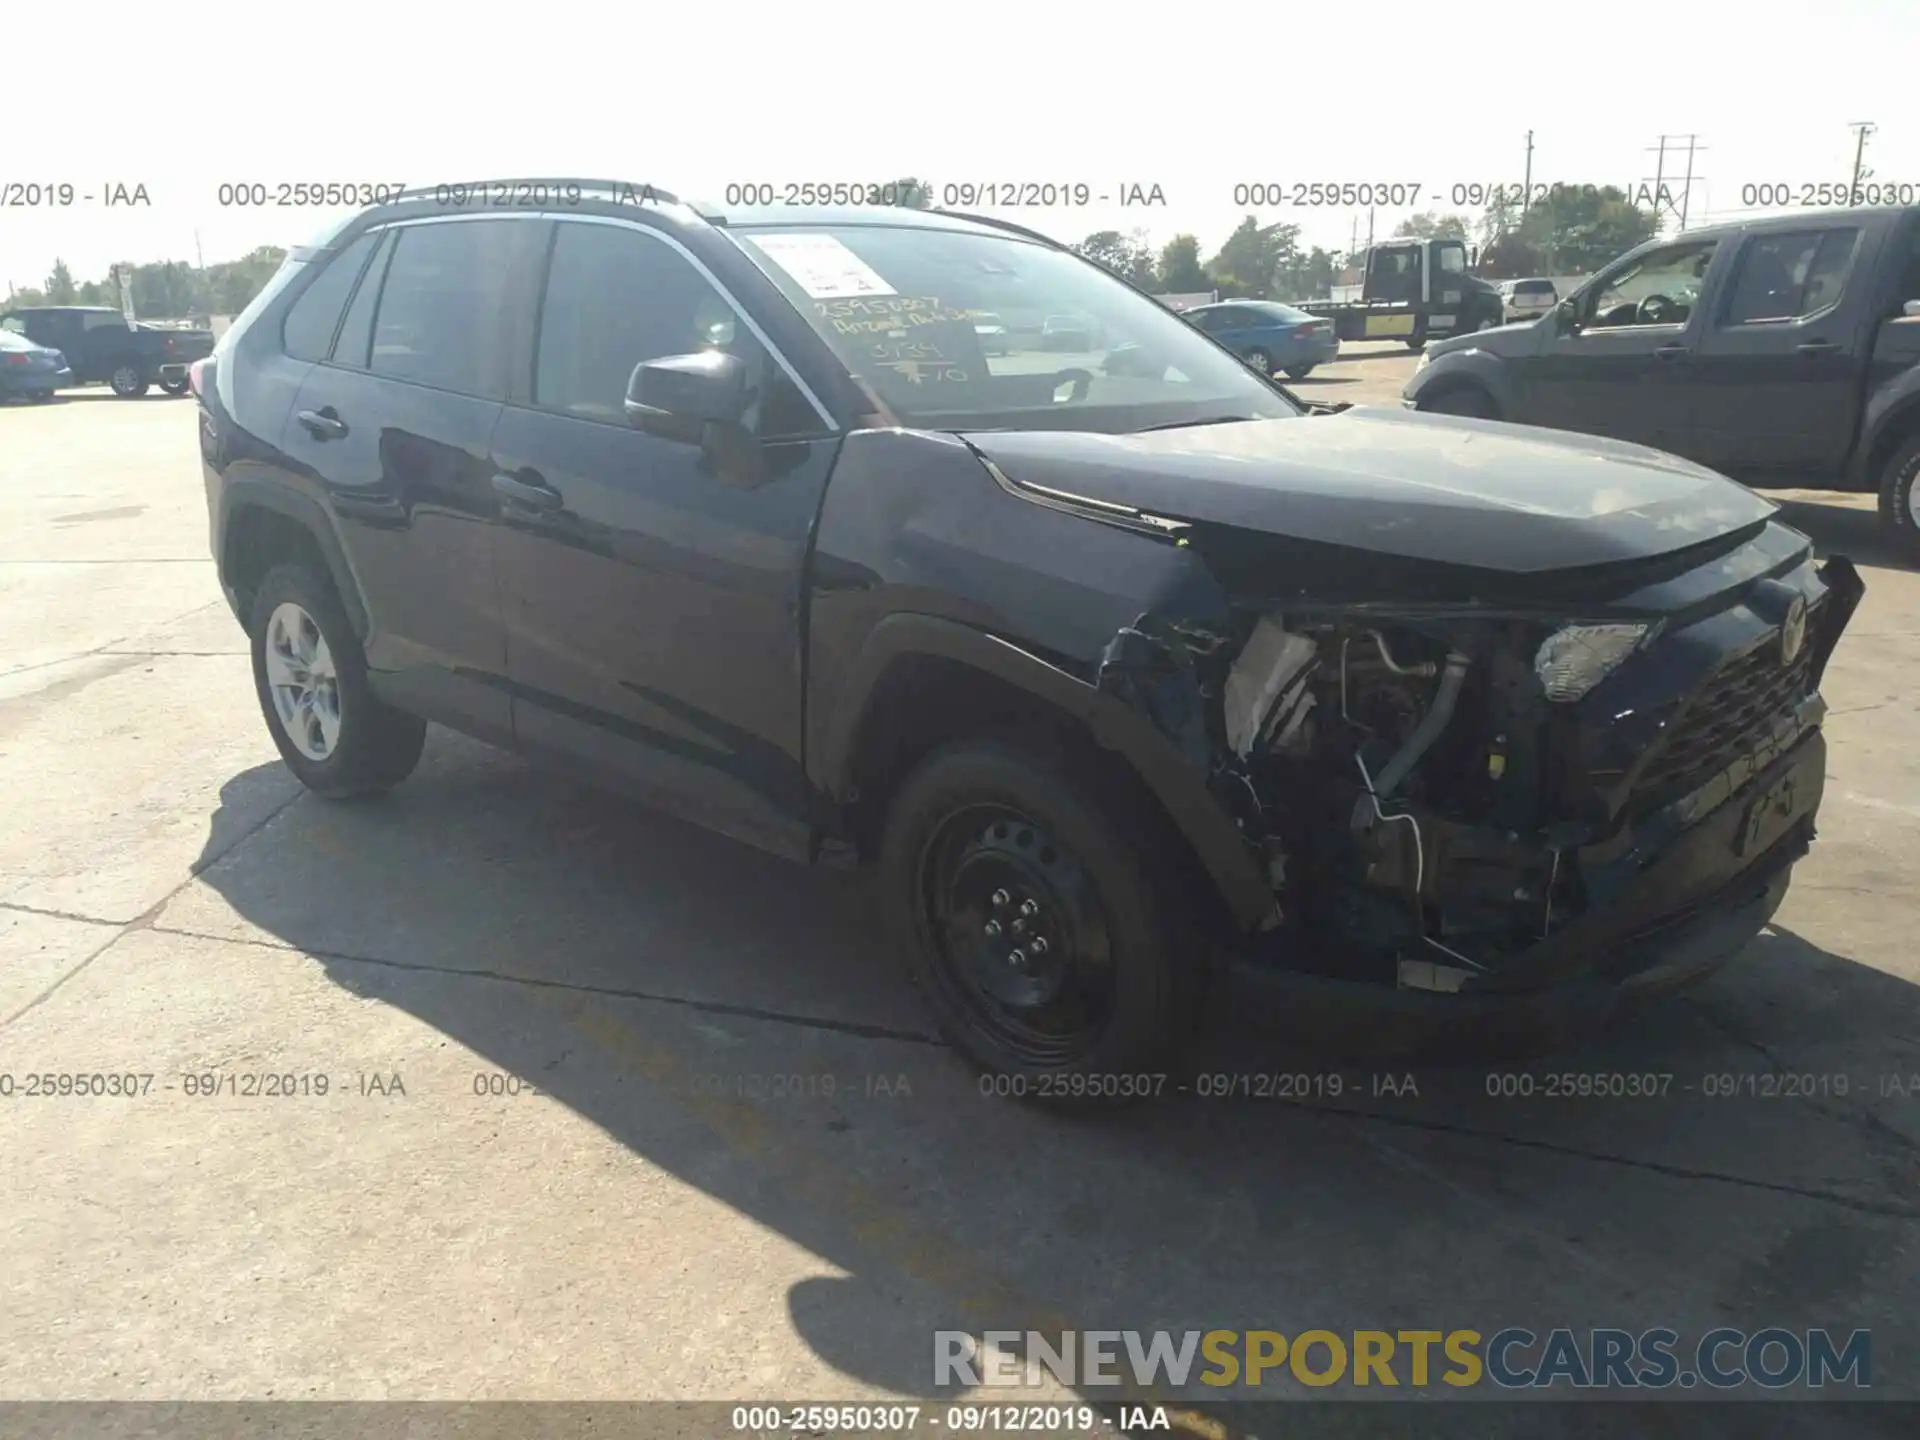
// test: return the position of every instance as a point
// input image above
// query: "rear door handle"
(1669, 352)
(1817, 347)
(532, 495)
(322, 424)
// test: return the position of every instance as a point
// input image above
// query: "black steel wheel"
(1018, 934)
(1035, 914)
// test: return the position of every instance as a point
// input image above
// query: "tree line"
(165, 289)
(1571, 233)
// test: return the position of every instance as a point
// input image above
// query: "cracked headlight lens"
(1573, 660)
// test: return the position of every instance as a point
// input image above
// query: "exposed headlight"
(1425, 360)
(1571, 661)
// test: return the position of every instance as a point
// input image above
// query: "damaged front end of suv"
(1562, 746)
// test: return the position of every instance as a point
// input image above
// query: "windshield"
(902, 307)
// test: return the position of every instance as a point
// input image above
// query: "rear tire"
(1900, 499)
(1469, 400)
(1089, 987)
(128, 383)
(342, 742)
(174, 387)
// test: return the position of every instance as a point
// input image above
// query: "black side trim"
(1116, 726)
(241, 492)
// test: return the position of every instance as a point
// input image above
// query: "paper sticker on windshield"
(822, 266)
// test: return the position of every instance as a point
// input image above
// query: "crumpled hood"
(1400, 482)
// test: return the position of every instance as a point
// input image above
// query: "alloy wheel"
(303, 681)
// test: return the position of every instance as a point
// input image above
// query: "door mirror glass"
(1911, 309)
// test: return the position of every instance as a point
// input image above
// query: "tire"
(1260, 360)
(175, 387)
(1299, 372)
(1900, 499)
(128, 383)
(979, 833)
(1469, 400)
(45, 397)
(371, 747)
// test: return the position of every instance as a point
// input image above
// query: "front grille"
(1725, 719)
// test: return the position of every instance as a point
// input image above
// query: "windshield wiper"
(1184, 424)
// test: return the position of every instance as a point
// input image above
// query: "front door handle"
(1669, 352)
(1817, 347)
(530, 494)
(323, 424)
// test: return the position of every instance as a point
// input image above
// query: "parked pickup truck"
(100, 345)
(1415, 291)
(1111, 670)
(1782, 352)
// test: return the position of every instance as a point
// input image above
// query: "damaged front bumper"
(1664, 895)
(1687, 910)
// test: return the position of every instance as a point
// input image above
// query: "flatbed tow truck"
(1415, 291)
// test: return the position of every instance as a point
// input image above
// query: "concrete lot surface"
(648, 1216)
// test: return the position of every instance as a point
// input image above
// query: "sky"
(696, 98)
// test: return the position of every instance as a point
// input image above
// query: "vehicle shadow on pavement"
(1834, 529)
(697, 1000)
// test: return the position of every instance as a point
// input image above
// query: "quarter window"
(356, 331)
(443, 318)
(616, 297)
(308, 332)
(1790, 276)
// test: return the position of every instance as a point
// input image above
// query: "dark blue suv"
(1114, 661)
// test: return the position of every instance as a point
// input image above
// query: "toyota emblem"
(1793, 634)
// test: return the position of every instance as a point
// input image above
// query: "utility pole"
(1526, 189)
(1862, 128)
(1661, 202)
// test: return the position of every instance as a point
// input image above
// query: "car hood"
(1427, 487)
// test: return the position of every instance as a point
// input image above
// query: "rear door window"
(308, 331)
(444, 316)
(1791, 276)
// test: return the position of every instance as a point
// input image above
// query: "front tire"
(1468, 400)
(311, 678)
(1035, 922)
(1261, 361)
(127, 383)
(1299, 372)
(1900, 498)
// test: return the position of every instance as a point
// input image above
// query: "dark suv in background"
(1116, 663)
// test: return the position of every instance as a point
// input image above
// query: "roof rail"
(653, 192)
(1000, 225)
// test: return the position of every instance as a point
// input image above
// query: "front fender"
(1469, 366)
(1116, 726)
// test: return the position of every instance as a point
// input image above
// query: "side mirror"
(678, 396)
(701, 399)
(1567, 315)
